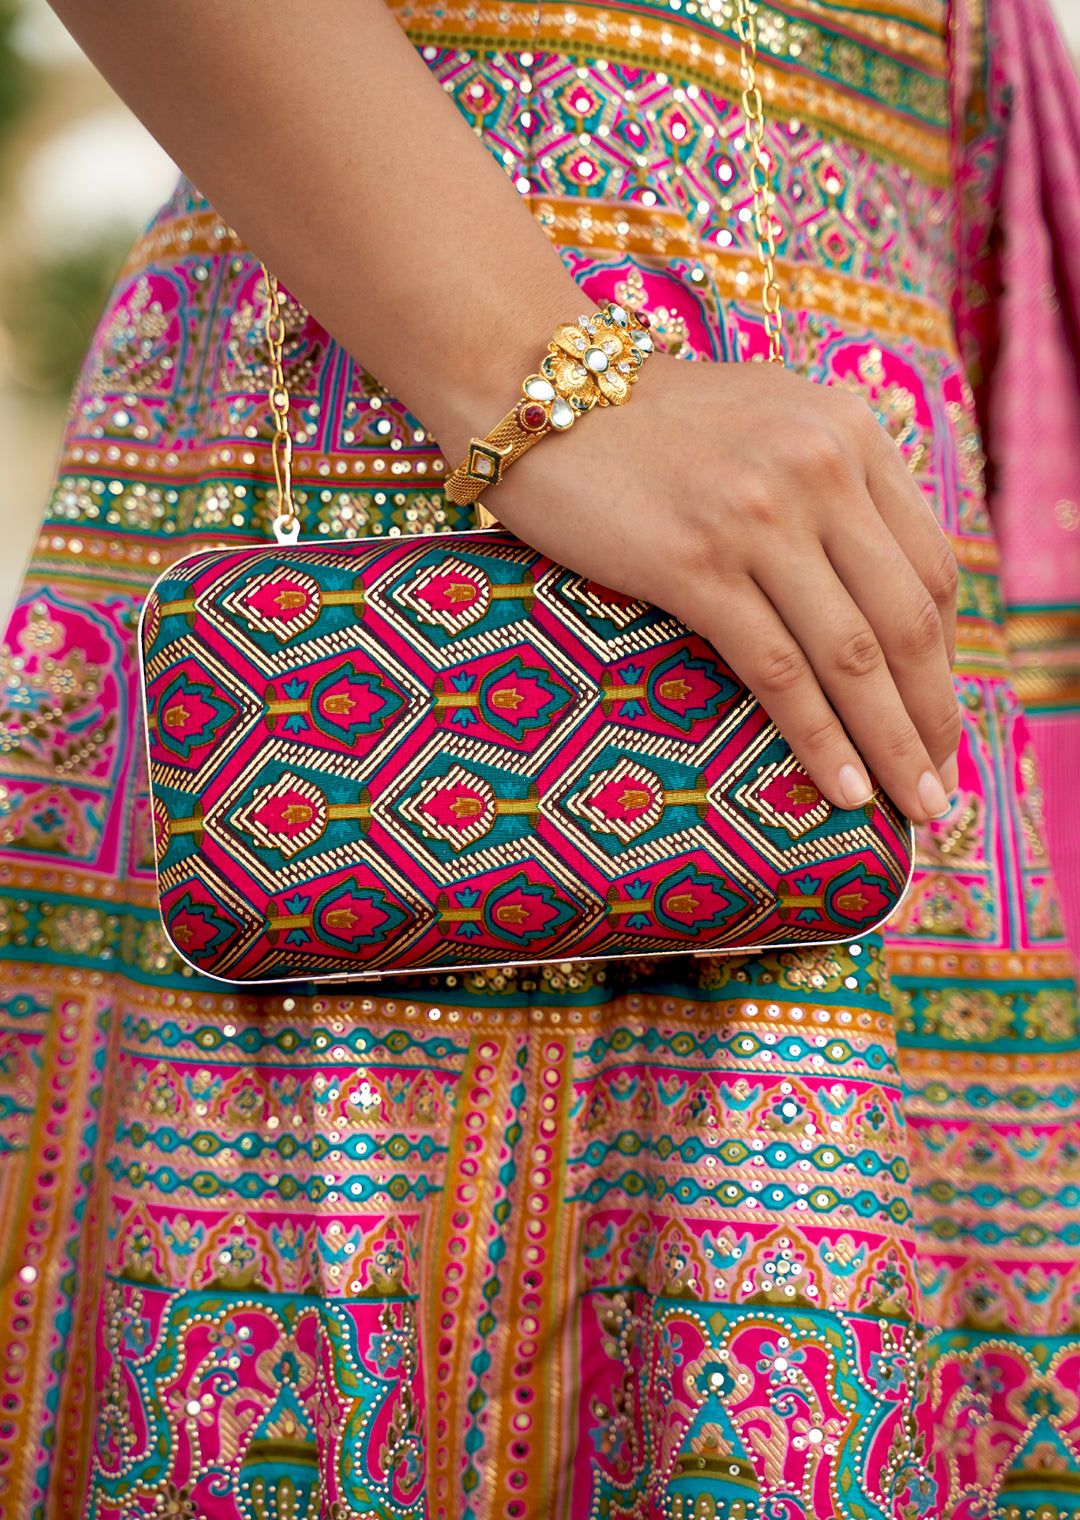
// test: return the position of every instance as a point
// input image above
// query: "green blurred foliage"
(17, 78)
(51, 306)
(54, 308)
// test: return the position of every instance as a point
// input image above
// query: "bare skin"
(772, 515)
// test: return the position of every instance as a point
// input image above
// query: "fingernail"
(950, 775)
(855, 786)
(932, 796)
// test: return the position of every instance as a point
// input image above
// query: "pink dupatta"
(1016, 111)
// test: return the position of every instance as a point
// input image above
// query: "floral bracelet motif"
(591, 362)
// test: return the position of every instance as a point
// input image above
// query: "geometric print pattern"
(383, 757)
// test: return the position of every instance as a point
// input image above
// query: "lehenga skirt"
(773, 1236)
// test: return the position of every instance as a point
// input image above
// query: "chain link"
(753, 111)
(286, 521)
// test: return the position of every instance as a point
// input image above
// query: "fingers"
(789, 533)
(764, 655)
(905, 511)
(906, 623)
(873, 640)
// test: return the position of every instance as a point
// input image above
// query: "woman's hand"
(778, 519)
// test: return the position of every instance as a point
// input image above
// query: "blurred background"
(78, 178)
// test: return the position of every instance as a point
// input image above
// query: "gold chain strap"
(287, 521)
(754, 112)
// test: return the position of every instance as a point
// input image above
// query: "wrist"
(478, 388)
(591, 360)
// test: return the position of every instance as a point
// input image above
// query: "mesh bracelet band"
(591, 362)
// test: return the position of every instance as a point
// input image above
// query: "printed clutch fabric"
(385, 756)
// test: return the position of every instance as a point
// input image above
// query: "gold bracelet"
(591, 362)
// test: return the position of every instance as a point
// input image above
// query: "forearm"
(317, 132)
(772, 515)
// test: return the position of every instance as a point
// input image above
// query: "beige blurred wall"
(1068, 17)
(80, 166)
(82, 151)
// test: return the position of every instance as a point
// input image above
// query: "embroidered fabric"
(771, 1236)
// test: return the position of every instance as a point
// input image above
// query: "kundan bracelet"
(591, 362)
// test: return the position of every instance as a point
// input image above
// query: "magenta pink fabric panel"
(1018, 318)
